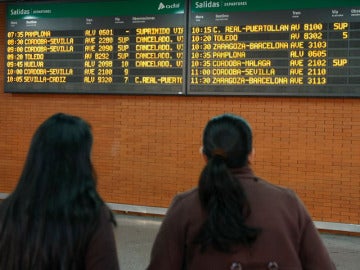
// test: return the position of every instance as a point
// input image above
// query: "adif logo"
(174, 5)
(161, 6)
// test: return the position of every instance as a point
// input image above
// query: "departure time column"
(15, 57)
(201, 54)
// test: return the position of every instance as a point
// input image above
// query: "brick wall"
(146, 148)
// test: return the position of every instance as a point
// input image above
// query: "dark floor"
(135, 235)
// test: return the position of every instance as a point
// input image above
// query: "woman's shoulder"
(272, 188)
(186, 202)
(263, 192)
(106, 214)
(186, 196)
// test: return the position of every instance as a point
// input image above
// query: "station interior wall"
(146, 147)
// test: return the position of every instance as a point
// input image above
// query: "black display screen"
(266, 48)
(96, 47)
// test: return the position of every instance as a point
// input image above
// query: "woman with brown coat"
(234, 220)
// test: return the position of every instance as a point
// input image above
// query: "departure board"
(184, 47)
(275, 48)
(134, 47)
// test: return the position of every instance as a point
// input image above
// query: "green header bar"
(257, 5)
(94, 9)
(153, 7)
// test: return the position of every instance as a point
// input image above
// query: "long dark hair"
(227, 142)
(47, 222)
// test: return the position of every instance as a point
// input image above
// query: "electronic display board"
(276, 48)
(178, 47)
(134, 46)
